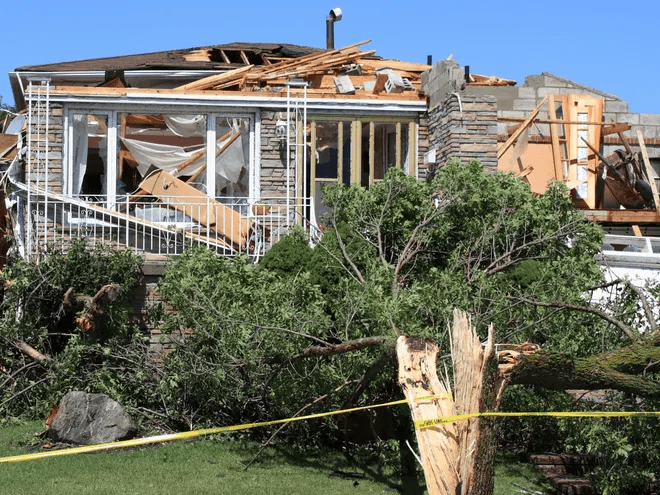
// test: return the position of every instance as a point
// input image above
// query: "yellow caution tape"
(420, 425)
(196, 433)
(423, 424)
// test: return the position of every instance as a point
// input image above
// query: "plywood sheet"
(185, 198)
(538, 156)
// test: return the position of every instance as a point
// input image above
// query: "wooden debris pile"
(345, 71)
(571, 154)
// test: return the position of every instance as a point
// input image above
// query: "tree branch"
(340, 348)
(30, 351)
(585, 309)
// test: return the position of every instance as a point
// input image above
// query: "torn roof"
(245, 68)
(216, 57)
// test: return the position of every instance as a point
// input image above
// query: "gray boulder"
(86, 419)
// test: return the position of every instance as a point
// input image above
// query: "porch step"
(567, 472)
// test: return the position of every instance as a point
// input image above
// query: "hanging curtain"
(186, 125)
(164, 156)
(230, 166)
(80, 151)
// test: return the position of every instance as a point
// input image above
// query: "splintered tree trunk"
(457, 457)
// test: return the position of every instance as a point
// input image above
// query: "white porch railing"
(161, 226)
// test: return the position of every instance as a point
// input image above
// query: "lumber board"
(614, 128)
(126, 157)
(224, 220)
(191, 160)
(201, 55)
(557, 121)
(85, 90)
(397, 65)
(649, 170)
(636, 217)
(307, 69)
(554, 135)
(139, 120)
(524, 126)
(210, 81)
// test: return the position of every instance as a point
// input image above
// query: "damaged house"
(226, 146)
(551, 128)
(229, 145)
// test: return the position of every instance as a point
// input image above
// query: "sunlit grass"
(208, 465)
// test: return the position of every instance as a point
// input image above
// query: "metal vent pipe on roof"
(334, 16)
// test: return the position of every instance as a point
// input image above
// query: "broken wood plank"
(524, 126)
(525, 171)
(397, 65)
(555, 121)
(636, 230)
(126, 157)
(623, 216)
(191, 160)
(614, 128)
(649, 170)
(114, 83)
(224, 220)
(210, 81)
(201, 55)
(381, 79)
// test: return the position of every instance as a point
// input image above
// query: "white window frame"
(212, 114)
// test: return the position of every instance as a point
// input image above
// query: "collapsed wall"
(446, 82)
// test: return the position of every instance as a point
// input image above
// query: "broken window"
(232, 157)
(174, 143)
(110, 154)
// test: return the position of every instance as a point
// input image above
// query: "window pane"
(326, 150)
(90, 155)
(174, 143)
(384, 149)
(232, 157)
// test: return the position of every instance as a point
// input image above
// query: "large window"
(111, 153)
(358, 151)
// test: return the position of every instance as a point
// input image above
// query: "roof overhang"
(135, 98)
(254, 100)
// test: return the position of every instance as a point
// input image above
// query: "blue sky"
(615, 49)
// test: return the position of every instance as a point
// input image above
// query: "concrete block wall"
(519, 101)
(464, 127)
(50, 150)
(444, 78)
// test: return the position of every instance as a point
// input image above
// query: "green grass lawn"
(208, 465)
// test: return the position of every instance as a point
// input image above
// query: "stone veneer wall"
(52, 149)
(273, 158)
(464, 127)
(423, 168)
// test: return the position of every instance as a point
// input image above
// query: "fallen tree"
(394, 262)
